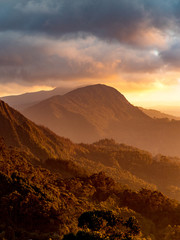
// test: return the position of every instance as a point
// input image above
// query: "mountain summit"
(98, 111)
(85, 114)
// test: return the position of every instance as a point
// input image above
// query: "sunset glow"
(131, 46)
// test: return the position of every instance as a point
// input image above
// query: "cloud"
(124, 21)
(44, 42)
(171, 56)
(37, 7)
(37, 59)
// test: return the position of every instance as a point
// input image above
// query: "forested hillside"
(38, 141)
(37, 204)
(51, 188)
(160, 171)
(125, 164)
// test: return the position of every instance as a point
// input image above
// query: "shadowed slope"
(20, 132)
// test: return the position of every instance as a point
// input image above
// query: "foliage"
(105, 225)
(36, 203)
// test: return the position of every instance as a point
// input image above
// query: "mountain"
(98, 111)
(43, 147)
(157, 114)
(25, 100)
(86, 114)
(169, 109)
(38, 141)
(127, 165)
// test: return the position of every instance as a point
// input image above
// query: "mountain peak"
(85, 114)
(100, 91)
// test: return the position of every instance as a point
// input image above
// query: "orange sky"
(131, 45)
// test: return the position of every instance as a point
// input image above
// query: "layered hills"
(58, 154)
(94, 112)
(127, 165)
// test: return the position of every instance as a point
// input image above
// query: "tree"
(97, 225)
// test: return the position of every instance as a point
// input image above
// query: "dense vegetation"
(38, 141)
(38, 204)
(128, 165)
(99, 225)
(53, 189)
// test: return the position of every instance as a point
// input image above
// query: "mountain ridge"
(158, 114)
(20, 132)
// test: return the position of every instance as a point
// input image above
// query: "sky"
(132, 45)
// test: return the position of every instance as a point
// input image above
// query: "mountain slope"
(125, 164)
(94, 112)
(20, 132)
(86, 114)
(55, 153)
(129, 165)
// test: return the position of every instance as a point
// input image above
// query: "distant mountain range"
(25, 100)
(157, 114)
(98, 111)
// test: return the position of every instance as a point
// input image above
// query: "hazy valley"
(103, 177)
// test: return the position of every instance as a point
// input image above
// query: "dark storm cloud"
(33, 60)
(40, 60)
(44, 41)
(171, 56)
(121, 20)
